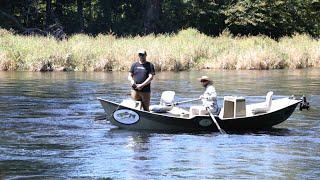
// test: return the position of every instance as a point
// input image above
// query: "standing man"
(140, 76)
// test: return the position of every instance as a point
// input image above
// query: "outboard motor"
(304, 104)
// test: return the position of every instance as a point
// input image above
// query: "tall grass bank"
(188, 49)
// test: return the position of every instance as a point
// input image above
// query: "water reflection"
(49, 129)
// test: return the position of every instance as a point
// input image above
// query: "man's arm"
(209, 94)
(130, 78)
(146, 82)
(131, 72)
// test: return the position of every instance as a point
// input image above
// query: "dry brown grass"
(185, 50)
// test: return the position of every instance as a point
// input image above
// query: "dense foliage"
(275, 18)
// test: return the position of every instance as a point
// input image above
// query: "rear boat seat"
(264, 107)
(166, 102)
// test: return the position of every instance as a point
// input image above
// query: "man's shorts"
(144, 97)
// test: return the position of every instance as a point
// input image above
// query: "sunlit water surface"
(49, 129)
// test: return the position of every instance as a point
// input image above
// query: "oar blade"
(216, 122)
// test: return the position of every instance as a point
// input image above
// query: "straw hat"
(204, 78)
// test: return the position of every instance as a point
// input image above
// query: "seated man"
(209, 99)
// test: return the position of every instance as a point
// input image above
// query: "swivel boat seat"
(166, 102)
(266, 106)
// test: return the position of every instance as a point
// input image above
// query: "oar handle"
(191, 100)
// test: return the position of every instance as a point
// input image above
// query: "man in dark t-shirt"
(140, 76)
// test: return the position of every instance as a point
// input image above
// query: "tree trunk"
(152, 16)
(48, 13)
(106, 9)
(80, 14)
(58, 9)
(89, 6)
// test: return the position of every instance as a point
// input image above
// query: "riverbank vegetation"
(187, 49)
(104, 35)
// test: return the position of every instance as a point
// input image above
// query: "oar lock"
(304, 104)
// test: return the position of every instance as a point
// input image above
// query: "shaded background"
(131, 17)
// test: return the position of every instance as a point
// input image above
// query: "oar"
(215, 121)
(187, 101)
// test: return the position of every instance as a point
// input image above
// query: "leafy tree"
(274, 18)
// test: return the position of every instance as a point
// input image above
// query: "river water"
(49, 129)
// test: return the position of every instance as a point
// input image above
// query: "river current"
(50, 129)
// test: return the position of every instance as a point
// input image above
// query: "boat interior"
(233, 107)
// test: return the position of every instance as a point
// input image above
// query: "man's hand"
(139, 86)
(130, 78)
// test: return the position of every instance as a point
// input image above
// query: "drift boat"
(235, 115)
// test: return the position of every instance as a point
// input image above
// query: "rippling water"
(49, 129)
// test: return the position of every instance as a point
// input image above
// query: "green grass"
(188, 49)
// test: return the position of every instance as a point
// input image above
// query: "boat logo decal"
(205, 122)
(126, 116)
